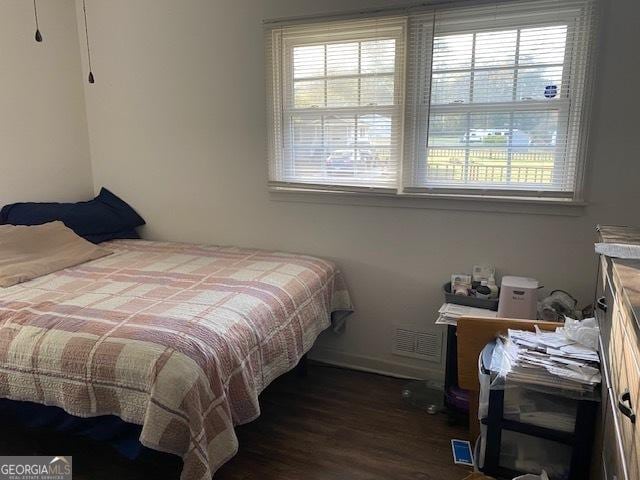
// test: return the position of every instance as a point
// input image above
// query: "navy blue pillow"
(103, 237)
(106, 217)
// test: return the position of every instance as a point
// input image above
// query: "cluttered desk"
(540, 393)
(477, 295)
(551, 393)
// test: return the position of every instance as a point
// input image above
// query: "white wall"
(177, 126)
(44, 147)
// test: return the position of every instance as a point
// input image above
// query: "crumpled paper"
(585, 332)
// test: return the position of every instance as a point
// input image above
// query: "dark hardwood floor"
(333, 424)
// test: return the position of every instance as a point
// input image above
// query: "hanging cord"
(35, 14)
(86, 35)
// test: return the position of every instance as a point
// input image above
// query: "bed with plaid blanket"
(177, 338)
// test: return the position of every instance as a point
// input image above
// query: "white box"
(518, 298)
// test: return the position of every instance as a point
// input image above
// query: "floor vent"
(423, 345)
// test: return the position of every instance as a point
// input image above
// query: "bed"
(178, 338)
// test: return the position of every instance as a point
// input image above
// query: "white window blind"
(340, 89)
(505, 100)
(476, 100)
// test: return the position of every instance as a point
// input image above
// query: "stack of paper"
(450, 313)
(552, 359)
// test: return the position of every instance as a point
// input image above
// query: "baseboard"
(375, 365)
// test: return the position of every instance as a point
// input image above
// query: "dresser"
(618, 314)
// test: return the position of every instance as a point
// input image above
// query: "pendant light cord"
(35, 14)
(86, 35)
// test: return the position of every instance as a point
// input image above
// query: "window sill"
(472, 203)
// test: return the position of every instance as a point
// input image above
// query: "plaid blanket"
(177, 338)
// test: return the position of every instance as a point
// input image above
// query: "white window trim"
(282, 104)
(408, 196)
(560, 105)
(469, 203)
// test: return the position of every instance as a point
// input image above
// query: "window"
(485, 100)
(341, 103)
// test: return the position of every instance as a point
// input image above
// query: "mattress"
(178, 338)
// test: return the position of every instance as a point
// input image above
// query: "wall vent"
(422, 345)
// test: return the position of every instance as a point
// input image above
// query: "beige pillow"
(28, 252)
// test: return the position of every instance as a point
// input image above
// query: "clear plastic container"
(424, 394)
(529, 454)
(541, 409)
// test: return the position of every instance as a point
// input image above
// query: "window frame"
(288, 110)
(561, 105)
(416, 78)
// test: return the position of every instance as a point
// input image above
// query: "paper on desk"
(567, 361)
(562, 358)
(453, 310)
(587, 377)
(442, 320)
(619, 250)
(552, 339)
(526, 343)
(450, 312)
(591, 357)
(577, 349)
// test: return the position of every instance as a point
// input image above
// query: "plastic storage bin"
(468, 301)
(525, 453)
(524, 430)
(532, 407)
